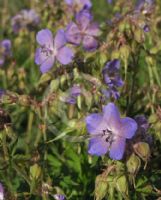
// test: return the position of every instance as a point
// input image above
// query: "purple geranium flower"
(145, 5)
(59, 197)
(5, 50)
(25, 19)
(81, 3)
(52, 49)
(112, 78)
(1, 192)
(109, 1)
(75, 91)
(109, 132)
(84, 30)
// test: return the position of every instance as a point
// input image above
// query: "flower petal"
(93, 29)
(95, 123)
(65, 55)
(73, 34)
(98, 146)
(47, 64)
(89, 43)
(44, 37)
(40, 57)
(112, 117)
(60, 39)
(117, 148)
(83, 19)
(69, 2)
(128, 127)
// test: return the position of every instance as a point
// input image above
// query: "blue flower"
(112, 78)
(109, 132)
(52, 49)
(83, 31)
(25, 19)
(59, 197)
(5, 50)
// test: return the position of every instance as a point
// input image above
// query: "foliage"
(43, 136)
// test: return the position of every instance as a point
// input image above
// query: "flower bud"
(133, 164)
(142, 149)
(35, 171)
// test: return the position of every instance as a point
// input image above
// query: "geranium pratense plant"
(109, 132)
(84, 30)
(25, 19)
(52, 49)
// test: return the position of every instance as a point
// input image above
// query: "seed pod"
(133, 164)
(122, 185)
(142, 149)
(101, 187)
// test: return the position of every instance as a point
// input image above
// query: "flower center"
(48, 50)
(109, 137)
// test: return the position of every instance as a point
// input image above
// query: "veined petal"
(65, 55)
(60, 39)
(47, 64)
(40, 57)
(83, 19)
(44, 37)
(95, 123)
(98, 146)
(89, 43)
(117, 148)
(112, 117)
(73, 34)
(93, 30)
(128, 127)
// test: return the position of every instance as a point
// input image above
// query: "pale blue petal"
(89, 43)
(93, 29)
(65, 55)
(95, 123)
(98, 146)
(73, 34)
(117, 148)
(44, 37)
(112, 117)
(47, 64)
(83, 19)
(40, 57)
(128, 127)
(60, 39)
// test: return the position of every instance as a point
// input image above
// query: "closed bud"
(122, 185)
(133, 164)
(35, 171)
(101, 187)
(149, 60)
(142, 149)
(103, 59)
